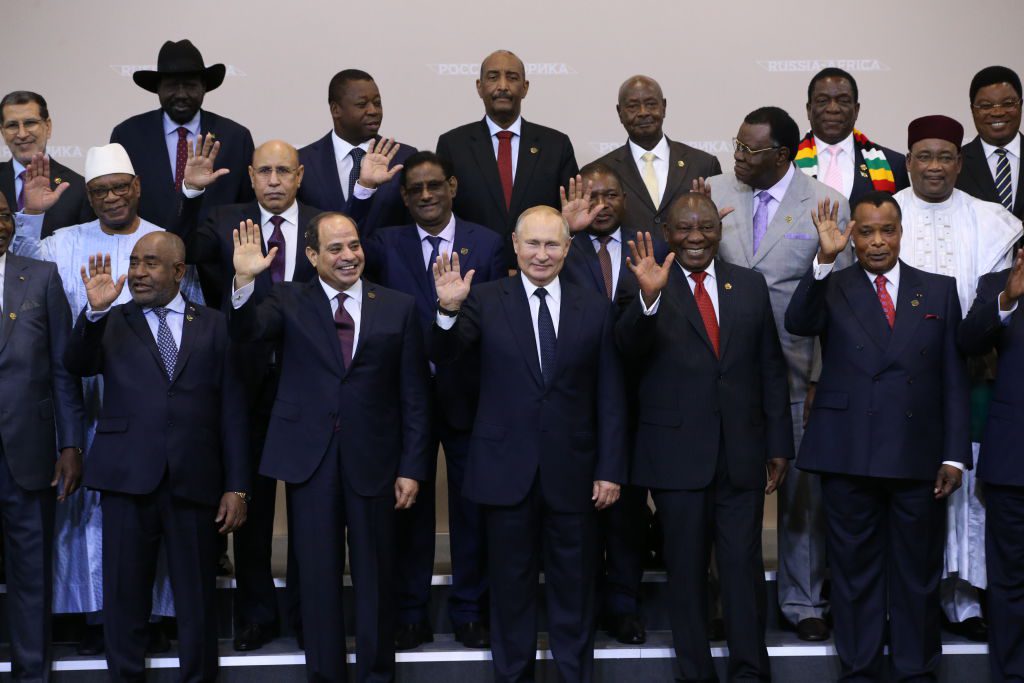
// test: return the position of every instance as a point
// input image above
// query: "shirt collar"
(660, 150)
(710, 270)
(172, 127)
(446, 235)
(177, 305)
(291, 214)
(892, 275)
(355, 291)
(553, 288)
(515, 128)
(616, 236)
(1013, 148)
(3, 265)
(778, 190)
(19, 167)
(342, 148)
(846, 144)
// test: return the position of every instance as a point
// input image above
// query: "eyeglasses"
(986, 107)
(7, 218)
(121, 189)
(431, 186)
(740, 148)
(30, 126)
(283, 172)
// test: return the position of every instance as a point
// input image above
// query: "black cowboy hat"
(176, 59)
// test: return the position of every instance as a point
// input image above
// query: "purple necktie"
(21, 193)
(277, 240)
(761, 218)
(346, 327)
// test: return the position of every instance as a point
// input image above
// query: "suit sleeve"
(441, 148)
(446, 346)
(956, 389)
(774, 385)
(115, 135)
(258, 322)
(612, 464)
(186, 222)
(376, 255)
(201, 244)
(414, 393)
(496, 261)
(567, 165)
(83, 354)
(245, 191)
(234, 418)
(807, 313)
(67, 388)
(634, 331)
(982, 329)
(716, 167)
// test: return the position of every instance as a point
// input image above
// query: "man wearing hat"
(158, 140)
(949, 232)
(113, 190)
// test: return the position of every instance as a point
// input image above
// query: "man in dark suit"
(838, 154)
(157, 141)
(995, 323)
(169, 457)
(352, 169)
(888, 433)
(654, 169)
(348, 433)
(712, 361)
(505, 164)
(35, 324)
(401, 258)
(991, 167)
(26, 125)
(276, 175)
(540, 460)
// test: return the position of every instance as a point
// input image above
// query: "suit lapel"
(864, 302)
(517, 310)
(328, 167)
(632, 180)
(318, 306)
(588, 254)
(303, 268)
(861, 179)
(411, 251)
(160, 160)
(744, 219)
(529, 151)
(189, 330)
(676, 171)
(1018, 200)
(367, 318)
(14, 295)
(976, 165)
(682, 294)
(483, 153)
(136, 320)
(726, 305)
(569, 319)
(793, 206)
(910, 295)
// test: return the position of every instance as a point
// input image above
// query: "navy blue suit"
(999, 467)
(394, 257)
(339, 438)
(322, 187)
(165, 452)
(891, 406)
(534, 453)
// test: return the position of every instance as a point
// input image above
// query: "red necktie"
(505, 164)
(346, 327)
(181, 158)
(605, 259)
(885, 300)
(706, 308)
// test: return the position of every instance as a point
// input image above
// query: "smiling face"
(541, 242)
(876, 236)
(357, 111)
(155, 269)
(997, 110)
(832, 109)
(428, 195)
(606, 191)
(181, 96)
(115, 200)
(502, 86)
(693, 231)
(25, 131)
(339, 259)
(933, 165)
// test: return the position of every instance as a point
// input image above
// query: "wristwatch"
(246, 498)
(445, 311)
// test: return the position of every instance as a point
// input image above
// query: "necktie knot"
(835, 150)
(504, 134)
(182, 132)
(21, 176)
(277, 221)
(357, 154)
(647, 156)
(541, 293)
(161, 313)
(765, 197)
(880, 281)
(1000, 152)
(699, 277)
(604, 240)
(434, 240)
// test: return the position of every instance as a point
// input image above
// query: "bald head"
(502, 86)
(156, 268)
(641, 110)
(639, 81)
(276, 175)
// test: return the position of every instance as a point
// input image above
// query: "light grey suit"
(783, 257)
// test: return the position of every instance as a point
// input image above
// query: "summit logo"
(532, 69)
(126, 70)
(815, 65)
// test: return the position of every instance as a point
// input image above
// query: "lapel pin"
(188, 318)
(728, 286)
(680, 163)
(863, 167)
(371, 295)
(21, 277)
(12, 315)
(534, 150)
(789, 219)
(915, 302)
(464, 251)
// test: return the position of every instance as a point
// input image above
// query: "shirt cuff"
(29, 224)
(954, 463)
(1004, 316)
(361, 192)
(93, 316)
(240, 296)
(191, 193)
(821, 270)
(445, 322)
(654, 307)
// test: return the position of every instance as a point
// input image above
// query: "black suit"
(685, 164)
(545, 163)
(338, 437)
(73, 206)
(976, 177)
(46, 415)
(165, 452)
(728, 414)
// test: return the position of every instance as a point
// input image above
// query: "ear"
(453, 183)
(311, 255)
(298, 175)
(252, 177)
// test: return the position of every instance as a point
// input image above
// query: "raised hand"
(374, 171)
(100, 288)
(704, 187)
(576, 209)
(651, 277)
(199, 173)
(831, 240)
(1014, 283)
(248, 257)
(452, 288)
(39, 198)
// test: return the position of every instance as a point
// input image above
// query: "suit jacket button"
(910, 380)
(170, 424)
(910, 414)
(924, 352)
(860, 347)
(871, 412)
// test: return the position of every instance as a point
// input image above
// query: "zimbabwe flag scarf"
(875, 164)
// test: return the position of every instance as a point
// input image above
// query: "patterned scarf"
(875, 165)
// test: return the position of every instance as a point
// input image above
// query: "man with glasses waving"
(771, 231)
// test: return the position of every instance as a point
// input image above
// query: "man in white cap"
(113, 191)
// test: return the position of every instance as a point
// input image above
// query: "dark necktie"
(277, 267)
(1003, 185)
(346, 328)
(605, 259)
(21, 193)
(181, 158)
(165, 342)
(505, 164)
(357, 155)
(706, 308)
(546, 333)
(435, 251)
(883, 298)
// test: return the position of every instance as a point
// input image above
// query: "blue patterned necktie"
(165, 342)
(548, 340)
(357, 155)
(1003, 185)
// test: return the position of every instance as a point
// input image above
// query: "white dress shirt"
(614, 247)
(777, 191)
(171, 138)
(3, 274)
(290, 230)
(175, 319)
(515, 129)
(342, 150)
(846, 159)
(1012, 156)
(710, 284)
(447, 236)
(660, 161)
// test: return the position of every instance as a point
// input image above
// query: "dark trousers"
(133, 527)
(885, 543)
(28, 552)
(728, 518)
(1004, 552)
(624, 533)
(468, 599)
(321, 509)
(531, 533)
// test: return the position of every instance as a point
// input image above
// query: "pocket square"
(799, 236)
(29, 305)
(931, 316)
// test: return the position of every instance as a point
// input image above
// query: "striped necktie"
(1004, 188)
